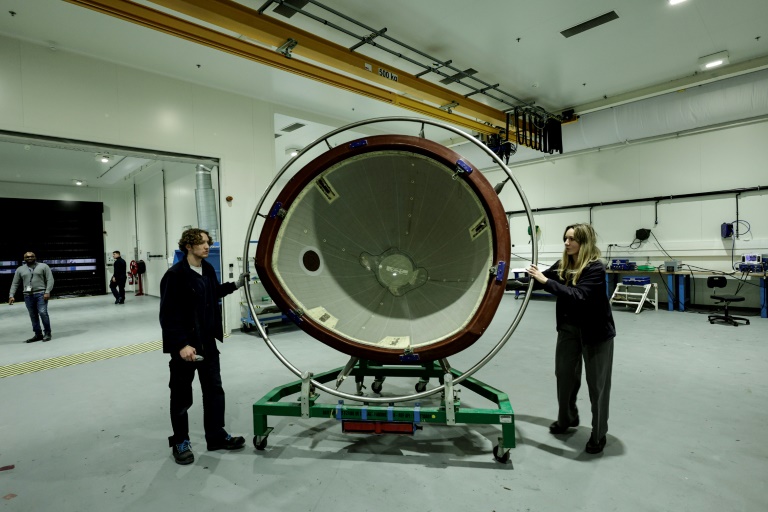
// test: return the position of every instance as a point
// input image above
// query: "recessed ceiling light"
(712, 61)
(675, 2)
(104, 159)
(78, 183)
(292, 152)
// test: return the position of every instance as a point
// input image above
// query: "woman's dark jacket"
(190, 313)
(584, 305)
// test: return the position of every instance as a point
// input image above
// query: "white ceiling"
(31, 163)
(515, 44)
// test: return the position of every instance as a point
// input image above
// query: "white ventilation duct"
(205, 199)
(726, 101)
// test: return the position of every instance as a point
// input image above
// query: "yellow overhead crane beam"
(242, 20)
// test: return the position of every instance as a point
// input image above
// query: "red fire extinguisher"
(133, 272)
(138, 268)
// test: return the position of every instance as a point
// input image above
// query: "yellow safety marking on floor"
(86, 357)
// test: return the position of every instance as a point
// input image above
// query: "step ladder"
(623, 294)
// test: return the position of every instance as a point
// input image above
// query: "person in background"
(36, 280)
(190, 317)
(117, 283)
(585, 330)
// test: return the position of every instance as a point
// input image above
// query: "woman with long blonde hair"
(585, 330)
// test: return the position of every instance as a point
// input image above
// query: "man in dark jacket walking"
(190, 317)
(117, 283)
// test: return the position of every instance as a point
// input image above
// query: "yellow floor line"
(86, 357)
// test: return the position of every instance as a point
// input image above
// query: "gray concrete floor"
(687, 419)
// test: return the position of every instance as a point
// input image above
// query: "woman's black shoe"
(595, 447)
(556, 428)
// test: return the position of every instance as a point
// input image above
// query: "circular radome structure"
(387, 248)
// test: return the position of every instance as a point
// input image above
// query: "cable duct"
(733, 99)
(205, 199)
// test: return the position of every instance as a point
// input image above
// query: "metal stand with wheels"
(389, 418)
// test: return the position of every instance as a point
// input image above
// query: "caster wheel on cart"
(376, 386)
(420, 387)
(260, 445)
(503, 459)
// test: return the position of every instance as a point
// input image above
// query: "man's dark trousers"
(182, 375)
(118, 289)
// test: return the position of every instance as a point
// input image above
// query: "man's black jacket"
(120, 275)
(189, 310)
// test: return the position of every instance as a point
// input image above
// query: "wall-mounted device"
(726, 230)
(673, 265)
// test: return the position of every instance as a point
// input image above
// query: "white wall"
(73, 96)
(151, 228)
(180, 199)
(688, 229)
(118, 224)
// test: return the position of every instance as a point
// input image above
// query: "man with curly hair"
(190, 316)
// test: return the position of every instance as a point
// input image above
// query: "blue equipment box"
(752, 267)
(636, 280)
(622, 264)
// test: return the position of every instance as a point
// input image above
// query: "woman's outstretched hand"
(535, 273)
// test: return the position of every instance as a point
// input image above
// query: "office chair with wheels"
(719, 282)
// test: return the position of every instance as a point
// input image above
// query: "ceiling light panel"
(715, 60)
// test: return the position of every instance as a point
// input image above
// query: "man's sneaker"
(47, 337)
(36, 337)
(227, 443)
(183, 453)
